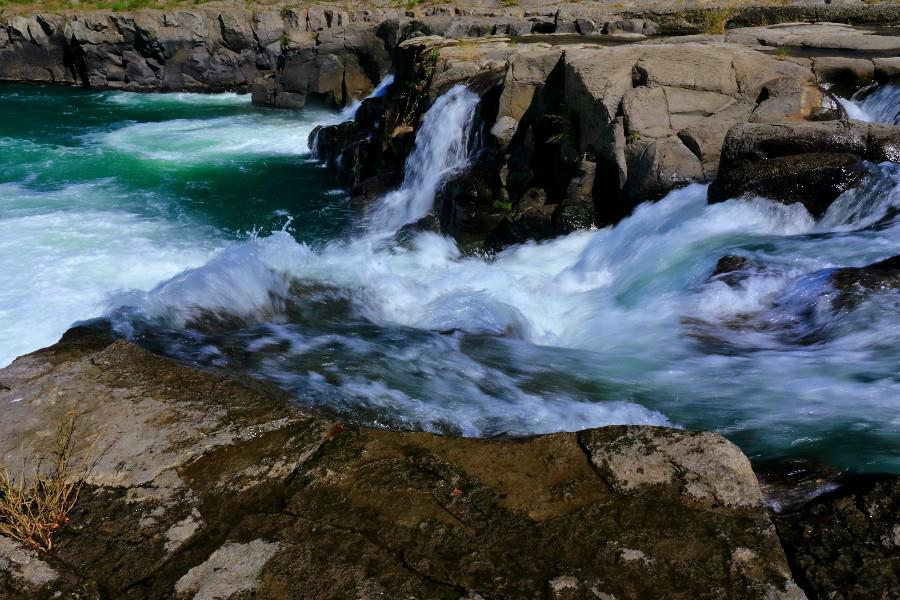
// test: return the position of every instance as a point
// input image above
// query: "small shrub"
(562, 125)
(715, 20)
(502, 205)
(34, 507)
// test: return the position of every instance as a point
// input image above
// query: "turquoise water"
(199, 227)
(102, 192)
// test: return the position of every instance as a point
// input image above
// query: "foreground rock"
(846, 543)
(216, 488)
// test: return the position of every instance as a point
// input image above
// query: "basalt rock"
(814, 180)
(283, 56)
(214, 487)
(855, 284)
(810, 163)
(846, 543)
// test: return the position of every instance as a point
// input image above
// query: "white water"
(619, 325)
(443, 145)
(634, 296)
(881, 106)
(349, 111)
(65, 251)
(203, 141)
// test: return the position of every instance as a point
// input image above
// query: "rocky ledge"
(210, 487)
(577, 134)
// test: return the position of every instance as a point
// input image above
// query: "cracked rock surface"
(211, 487)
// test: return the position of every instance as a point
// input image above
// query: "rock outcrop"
(810, 163)
(288, 54)
(846, 543)
(213, 487)
(589, 130)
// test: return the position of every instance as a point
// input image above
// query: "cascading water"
(619, 325)
(443, 146)
(880, 106)
(349, 112)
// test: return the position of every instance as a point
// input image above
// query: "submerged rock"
(855, 284)
(268, 501)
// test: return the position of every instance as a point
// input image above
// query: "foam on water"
(165, 100)
(192, 141)
(618, 325)
(635, 297)
(880, 106)
(68, 248)
(83, 219)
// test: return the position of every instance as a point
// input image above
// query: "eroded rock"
(282, 504)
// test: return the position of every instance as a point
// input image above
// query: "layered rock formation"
(209, 487)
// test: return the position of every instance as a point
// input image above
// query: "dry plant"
(35, 505)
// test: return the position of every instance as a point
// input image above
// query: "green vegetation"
(406, 3)
(36, 505)
(562, 126)
(417, 88)
(502, 205)
(715, 20)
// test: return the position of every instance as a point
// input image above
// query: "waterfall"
(348, 113)
(443, 145)
(881, 106)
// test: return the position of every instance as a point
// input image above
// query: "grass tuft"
(715, 20)
(34, 507)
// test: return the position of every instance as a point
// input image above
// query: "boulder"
(658, 117)
(530, 220)
(814, 180)
(215, 487)
(846, 543)
(855, 284)
(854, 72)
(811, 163)
(576, 211)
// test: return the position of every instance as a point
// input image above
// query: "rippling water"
(619, 325)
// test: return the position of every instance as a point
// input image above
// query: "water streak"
(880, 106)
(443, 146)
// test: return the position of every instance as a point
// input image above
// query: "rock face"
(216, 488)
(283, 55)
(810, 163)
(846, 543)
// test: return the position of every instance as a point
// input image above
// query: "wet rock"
(846, 543)
(732, 269)
(577, 211)
(268, 501)
(814, 180)
(532, 219)
(855, 284)
(811, 163)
